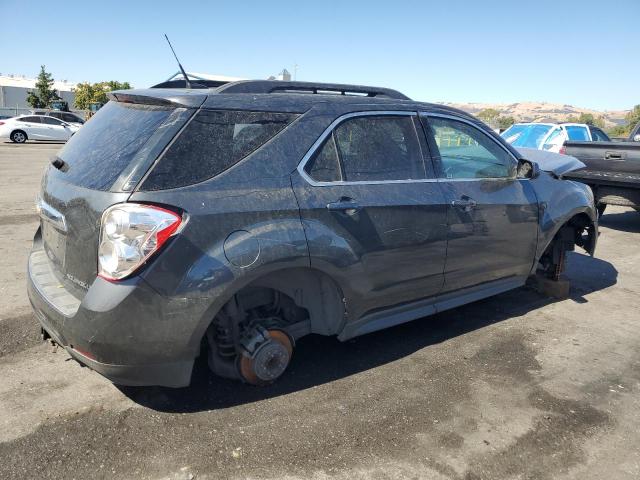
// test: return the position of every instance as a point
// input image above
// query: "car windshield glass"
(100, 151)
(577, 133)
(529, 136)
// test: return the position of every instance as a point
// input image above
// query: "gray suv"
(231, 222)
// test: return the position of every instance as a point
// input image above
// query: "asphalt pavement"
(517, 386)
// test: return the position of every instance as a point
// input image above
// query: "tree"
(505, 122)
(87, 93)
(44, 93)
(587, 118)
(631, 120)
(488, 115)
(633, 117)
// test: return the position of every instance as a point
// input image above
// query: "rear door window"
(99, 152)
(379, 148)
(213, 142)
(370, 148)
(34, 119)
(324, 166)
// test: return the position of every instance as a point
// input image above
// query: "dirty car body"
(234, 221)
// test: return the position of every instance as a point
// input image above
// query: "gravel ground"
(517, 386)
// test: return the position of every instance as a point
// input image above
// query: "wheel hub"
(266, 355)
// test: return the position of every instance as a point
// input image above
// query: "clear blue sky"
(580, 52)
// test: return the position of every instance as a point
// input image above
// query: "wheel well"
(579, 230)
(294, 301)
(22, 131)
(310, 290)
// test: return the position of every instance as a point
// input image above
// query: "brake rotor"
(269, 360)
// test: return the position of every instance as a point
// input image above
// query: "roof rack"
(279, 86)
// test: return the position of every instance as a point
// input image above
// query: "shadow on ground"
(319, 360)
(628, 221)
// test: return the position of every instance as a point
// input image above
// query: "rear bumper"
(118, 330)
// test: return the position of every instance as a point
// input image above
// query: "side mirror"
(636, 138)
(528, 169)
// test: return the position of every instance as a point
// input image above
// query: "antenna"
(184, 74)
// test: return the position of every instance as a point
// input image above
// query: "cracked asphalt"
(519, 386)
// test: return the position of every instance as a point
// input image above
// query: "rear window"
(100, 151)
(211, 143)
(577, 133)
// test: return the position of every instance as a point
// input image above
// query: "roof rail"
(279, 86)
(195, 83)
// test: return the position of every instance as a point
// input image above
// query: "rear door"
(373, 214)
(34, 127)
(492, 215)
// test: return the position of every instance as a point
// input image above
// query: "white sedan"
(36, 127)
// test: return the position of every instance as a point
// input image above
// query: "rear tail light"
(1, 123)
(563, 150)
(130, 233)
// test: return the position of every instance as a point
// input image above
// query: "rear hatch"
(98, 167)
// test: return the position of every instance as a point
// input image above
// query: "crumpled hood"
(555, 163)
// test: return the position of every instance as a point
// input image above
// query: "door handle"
(345, 204)
(614, 155)
(465, 203)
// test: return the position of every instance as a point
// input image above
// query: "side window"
(598, 135)
(375, 148)
(555, 139)
(50, 121)
(67, 117)
(467, 152)
(30, 119)
(212, 142)
(324, 166)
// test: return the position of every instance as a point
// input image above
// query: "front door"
(55, 129)
(374, 217)
(492, 215)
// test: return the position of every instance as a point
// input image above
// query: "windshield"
(100, 151)
(526, 135)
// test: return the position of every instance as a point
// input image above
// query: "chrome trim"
(340, 119)
(327, 132)
(50, 214)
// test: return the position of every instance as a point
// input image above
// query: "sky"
(580, 52)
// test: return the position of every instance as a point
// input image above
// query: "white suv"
(551, 136)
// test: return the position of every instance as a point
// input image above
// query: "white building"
(14, 90)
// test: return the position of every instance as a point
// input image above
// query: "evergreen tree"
(44, 93)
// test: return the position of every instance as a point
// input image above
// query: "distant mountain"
(542, 111)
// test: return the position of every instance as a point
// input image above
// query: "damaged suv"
(231, 222)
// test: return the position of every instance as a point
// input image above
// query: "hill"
(542, 111)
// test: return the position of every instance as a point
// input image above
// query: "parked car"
(68, 117)
(612, 170)
(235, 221)
(36, 127)
(551, 136)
